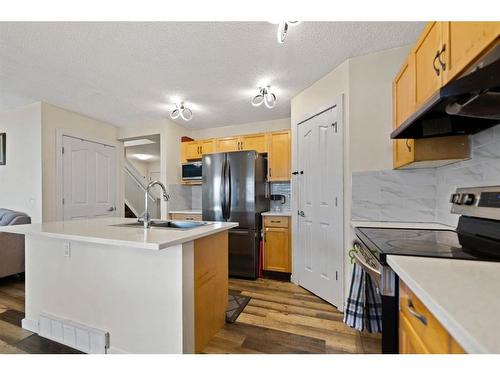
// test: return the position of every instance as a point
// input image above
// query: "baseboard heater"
(78, 336)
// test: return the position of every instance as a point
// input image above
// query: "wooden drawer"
(276, 221)
(178, 216)
(434, 338)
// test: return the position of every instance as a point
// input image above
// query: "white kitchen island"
(101, 288)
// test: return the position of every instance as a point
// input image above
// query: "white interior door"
(320, 192)
(89, 179)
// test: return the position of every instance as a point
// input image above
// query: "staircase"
(135, 188)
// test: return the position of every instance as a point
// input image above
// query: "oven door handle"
(374, 273)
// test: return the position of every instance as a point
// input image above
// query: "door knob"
(301, 213)
(111, 209)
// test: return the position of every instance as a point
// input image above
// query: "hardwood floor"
(280, 318)
(284, 318)
(14, 339)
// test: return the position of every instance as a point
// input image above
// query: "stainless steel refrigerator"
(234, 189)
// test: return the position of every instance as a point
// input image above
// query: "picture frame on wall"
(3, 137)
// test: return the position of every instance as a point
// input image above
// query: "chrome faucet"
(166, 197)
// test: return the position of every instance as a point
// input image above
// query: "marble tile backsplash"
(180, 197)
(422, 195)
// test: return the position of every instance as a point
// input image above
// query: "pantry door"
(320, 206)
(89, 179)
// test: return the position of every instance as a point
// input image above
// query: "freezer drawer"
(243, 253)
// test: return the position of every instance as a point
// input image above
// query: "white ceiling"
(129, 73)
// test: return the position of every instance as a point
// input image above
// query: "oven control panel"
(483, 202)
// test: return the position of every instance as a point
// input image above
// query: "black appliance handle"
(223, 190)
(229, 190)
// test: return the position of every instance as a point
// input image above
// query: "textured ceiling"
(129, 73)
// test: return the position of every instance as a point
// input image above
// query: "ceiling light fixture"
(181, 111)
(143, 157)
(283, 30)
(265, 96)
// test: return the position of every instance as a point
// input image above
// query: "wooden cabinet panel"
(465, 41)
(279, 156)
(257, 142)
(210, 287)
(403, 92)
(427, 69)
(419, 330)
(190, 150)
(276, 221)
(277, 249)
(178, 216)
(404, 152)
(227, 144)
(409, 342)
(207, 147)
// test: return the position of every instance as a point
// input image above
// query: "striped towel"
(363, 309)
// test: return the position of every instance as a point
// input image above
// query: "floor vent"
(83, 338)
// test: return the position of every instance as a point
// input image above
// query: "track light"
(181, 111)
(265, 96)
(283, 30)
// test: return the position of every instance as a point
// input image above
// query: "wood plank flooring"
(14, 339)
(280, 318)
(284, 318)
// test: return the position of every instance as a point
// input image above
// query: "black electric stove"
(477, 238)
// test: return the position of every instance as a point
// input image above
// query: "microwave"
(192, 171)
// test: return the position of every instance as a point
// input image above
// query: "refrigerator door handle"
(229, 190)
(223, 190)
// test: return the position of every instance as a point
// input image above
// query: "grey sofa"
(12, 245)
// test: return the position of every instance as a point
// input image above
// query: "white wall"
(54, 118)
(366, 85)
(21, 177)
(240, 129)
(370, 110)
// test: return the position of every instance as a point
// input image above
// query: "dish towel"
(363, 309)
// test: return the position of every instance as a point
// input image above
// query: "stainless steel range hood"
(464, 106)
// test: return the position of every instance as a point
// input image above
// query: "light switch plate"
(67, 249)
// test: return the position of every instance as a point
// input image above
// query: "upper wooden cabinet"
(279, 156)
(228, 144)
(257, 142)
(466, 41)
(275, 144)
(443, 51)
(428, 69)
(195, 150)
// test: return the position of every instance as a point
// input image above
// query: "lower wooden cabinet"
(419, 330)
(277, 254)
(179, 216)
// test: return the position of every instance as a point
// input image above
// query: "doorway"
(320, 234)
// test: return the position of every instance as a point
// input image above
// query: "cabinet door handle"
(408, 145)
(443, 63)
(412, 311)
(270, 172)
(436, 69)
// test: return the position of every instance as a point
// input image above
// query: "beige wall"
(370, 115)
(54, 118)
(21, 177)
(366, 85)
(248, 128)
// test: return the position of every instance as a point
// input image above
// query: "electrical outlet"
(67, 249)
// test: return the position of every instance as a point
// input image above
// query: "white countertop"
(186, 212)
(400, 224)
(277, 213)
(464, 296)
(102, 231)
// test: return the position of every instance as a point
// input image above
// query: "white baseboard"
(30, 325)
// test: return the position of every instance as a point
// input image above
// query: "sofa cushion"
(9, 217)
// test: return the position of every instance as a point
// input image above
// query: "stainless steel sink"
(166, 224)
